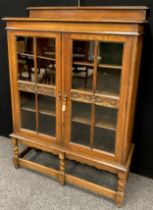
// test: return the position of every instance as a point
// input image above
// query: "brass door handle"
(64, 103)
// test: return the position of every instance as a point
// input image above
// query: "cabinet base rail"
(63, 177)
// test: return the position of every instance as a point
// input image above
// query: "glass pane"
(47, 105)
(25, 58)
(108, 81)
(105, 127)
(47, 112)
(28, 112)
(80, 129)
(46, 62)
(80, 134)
(82, 69)
(104, 140)
(110, 53)
(109, 68)
(47, 124)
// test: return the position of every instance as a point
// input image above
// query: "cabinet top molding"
(92, 14)
(120, 14)
(92, 8)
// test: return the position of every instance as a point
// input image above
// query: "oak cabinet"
(74, 74)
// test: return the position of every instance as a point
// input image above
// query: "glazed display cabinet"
(74, 74)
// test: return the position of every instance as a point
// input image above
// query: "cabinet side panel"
(132, 92)
(122, 114)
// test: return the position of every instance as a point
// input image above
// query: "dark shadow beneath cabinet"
(74, 168)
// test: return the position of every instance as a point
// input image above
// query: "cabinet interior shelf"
(98, 124)
(38, 56)
(78, 119)
(88, 64)
(42, 111)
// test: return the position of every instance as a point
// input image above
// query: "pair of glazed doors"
(71, 89)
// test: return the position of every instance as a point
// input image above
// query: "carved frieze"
(103, 100)
(34, 88)
(49, 91)
(28, 87)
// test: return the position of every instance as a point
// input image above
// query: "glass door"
(39, 84)
(94, 72)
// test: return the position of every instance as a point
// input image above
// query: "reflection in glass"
(47, 118)
(25, 58)
(109, 68)
(28, 112)
(83, 59)
(46, 62)
(80, 129)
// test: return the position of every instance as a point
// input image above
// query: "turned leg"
(61, 175)
(15, 153)
(121, 187)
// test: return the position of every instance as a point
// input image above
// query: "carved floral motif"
(97, 99)
(50, 91)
